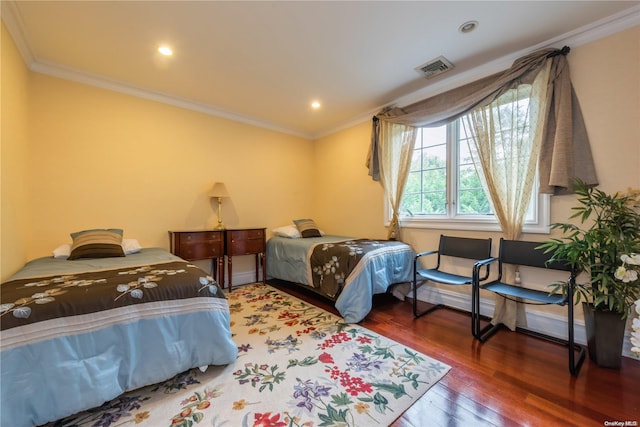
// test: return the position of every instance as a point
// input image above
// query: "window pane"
(411, 203)
(426, 188)
(435, 157)
(464, 154)
(473, 201)
(435, 135)
(435, 203)
(412, 199)
(434, 180)
(434, 187)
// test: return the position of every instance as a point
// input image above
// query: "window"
(444, 189)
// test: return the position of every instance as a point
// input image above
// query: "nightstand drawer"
(257, 234)
(197, 245)
(200, 237)
(246, 247)
(200, 250)
(245, 242)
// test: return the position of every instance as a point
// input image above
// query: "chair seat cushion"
(525, 293)
(442, 277)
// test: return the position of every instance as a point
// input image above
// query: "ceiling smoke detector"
(434, 67)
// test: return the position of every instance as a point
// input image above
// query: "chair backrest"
(465, 247)
(524, 253)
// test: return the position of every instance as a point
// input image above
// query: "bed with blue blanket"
(75, 334)
(346, 270)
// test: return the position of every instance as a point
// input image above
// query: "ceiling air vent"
(435, 67)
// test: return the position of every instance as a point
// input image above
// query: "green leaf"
(366, 348)
(307, 361)
(341, 399)
(414, 356)
(385, 352)
(333, 417)
(397, 390)
(380, 403)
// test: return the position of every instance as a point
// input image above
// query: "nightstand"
(245, 241)
(198, 245)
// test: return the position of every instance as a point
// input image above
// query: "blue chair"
(521, 253)
(458, 247)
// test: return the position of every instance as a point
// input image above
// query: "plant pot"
(605, 336)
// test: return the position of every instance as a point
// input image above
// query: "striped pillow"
(307, 227)
(99, 243)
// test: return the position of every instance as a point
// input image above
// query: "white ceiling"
(263, 62)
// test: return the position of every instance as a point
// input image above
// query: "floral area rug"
(298, 365)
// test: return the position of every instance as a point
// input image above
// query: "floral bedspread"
(331, 263)
(32, 300)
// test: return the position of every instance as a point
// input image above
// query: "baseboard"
(245, 277)
(537, 321)
(240, 277)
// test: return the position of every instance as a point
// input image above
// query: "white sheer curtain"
(505, 138)
(394, 153)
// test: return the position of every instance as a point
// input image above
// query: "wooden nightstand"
(245, 241)
(197, 245)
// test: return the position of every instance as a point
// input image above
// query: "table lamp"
(219, 191)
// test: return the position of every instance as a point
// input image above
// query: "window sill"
(468, 225)
(540, 220)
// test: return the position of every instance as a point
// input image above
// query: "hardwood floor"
(511, 380)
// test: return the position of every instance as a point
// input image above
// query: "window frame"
(451, 220)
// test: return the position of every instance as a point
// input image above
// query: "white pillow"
(129, 246)
(290, 231)
(62, 251)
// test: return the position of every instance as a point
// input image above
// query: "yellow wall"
(347, 202)
(14, 213)
(606, 75)
(98, 158)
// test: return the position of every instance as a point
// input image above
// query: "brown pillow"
(307, 227)
(98, 243)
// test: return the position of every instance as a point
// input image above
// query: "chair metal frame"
(523, 253)
(458, 247)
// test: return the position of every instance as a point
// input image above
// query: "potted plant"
(603, 247)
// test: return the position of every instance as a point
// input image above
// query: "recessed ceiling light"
(165, 50)
(468, 26)
(315, 105)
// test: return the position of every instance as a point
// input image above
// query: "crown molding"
(78, 76)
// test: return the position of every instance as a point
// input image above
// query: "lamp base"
(220, 224)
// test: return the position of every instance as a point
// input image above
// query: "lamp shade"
(219, 190)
